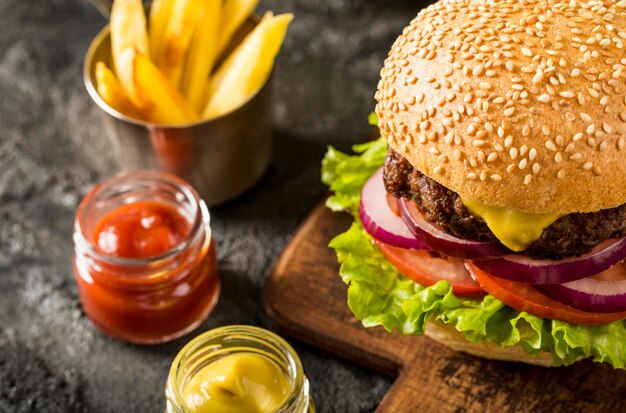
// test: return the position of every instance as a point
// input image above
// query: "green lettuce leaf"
(379, 295)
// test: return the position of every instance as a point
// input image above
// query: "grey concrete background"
(53, 149)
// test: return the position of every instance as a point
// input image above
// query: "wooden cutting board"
(305, 296)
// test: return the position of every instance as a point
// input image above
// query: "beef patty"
(571, 235)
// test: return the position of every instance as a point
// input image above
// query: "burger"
(491, 213)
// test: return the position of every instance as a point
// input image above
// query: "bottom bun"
(450, 337)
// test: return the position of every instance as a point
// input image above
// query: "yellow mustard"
(237, 383)
(515, 229)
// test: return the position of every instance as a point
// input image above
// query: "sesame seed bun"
(519, 105)
(455, 340)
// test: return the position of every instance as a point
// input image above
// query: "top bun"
(513, 104)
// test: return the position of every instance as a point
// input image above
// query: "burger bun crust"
(520, 105)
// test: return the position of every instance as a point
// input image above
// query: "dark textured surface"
(53, 149)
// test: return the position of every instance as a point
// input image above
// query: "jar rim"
(199, 211)
(253, 332)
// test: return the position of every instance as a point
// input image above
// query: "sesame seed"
(559, 140)
(526, 52)
(578, 136)
(603, 146)
(560, 174)
(544, 98)
(587, 165)
(481, 156)
(523, 163)
(576, 157)
(509, 111)
(536, 168)
(527, 179)
(523, 150)
(585, 117)
(567, 94)
(596, 170)
(496, 177)
(558, 157)
(550, 146)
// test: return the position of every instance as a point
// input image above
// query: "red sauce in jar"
(145, 272)
(140, 230)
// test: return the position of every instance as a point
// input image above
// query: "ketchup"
(145, 263)
(141, 230)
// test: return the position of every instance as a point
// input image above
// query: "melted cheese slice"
(515, 229)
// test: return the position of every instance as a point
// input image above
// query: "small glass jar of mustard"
(238, 369)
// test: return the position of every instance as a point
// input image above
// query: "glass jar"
(154, 299)
(224, 341)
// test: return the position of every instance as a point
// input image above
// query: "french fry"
(159, 101)
(159, 16)
(128, 31)
(235, 13)
(238, 56)
(245, 70)
(177, 38)
(202, 54)
(112, 92)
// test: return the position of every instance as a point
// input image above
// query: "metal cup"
(221, 157)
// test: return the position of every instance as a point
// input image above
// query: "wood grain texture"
(305, 296)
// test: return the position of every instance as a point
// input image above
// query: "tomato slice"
(525, 297)
(426, 270)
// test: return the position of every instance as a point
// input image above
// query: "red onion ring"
(521, 268)
(380, 221)
(603, 293)
(439, 240)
